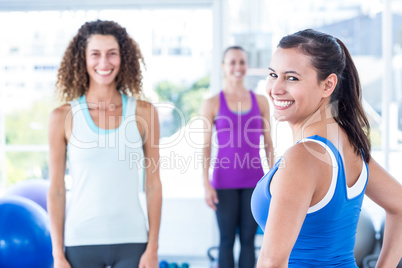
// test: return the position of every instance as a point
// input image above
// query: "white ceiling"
(24, 5)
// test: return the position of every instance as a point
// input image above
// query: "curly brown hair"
(73, 80)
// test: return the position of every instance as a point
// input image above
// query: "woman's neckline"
(239, 113)
(91, 123)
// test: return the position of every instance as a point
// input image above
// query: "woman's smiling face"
(293, 86)
(235, 65)
(103, 59)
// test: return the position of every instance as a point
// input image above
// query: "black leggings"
(101, 256)
(234, 214)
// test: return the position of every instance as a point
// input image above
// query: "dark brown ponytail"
(351, 116)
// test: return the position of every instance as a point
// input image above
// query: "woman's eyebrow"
(287, 72)
(292, 72)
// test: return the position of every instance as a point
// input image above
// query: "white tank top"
(105, 168)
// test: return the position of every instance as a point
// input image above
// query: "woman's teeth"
(237, 74)
(103, 72)
(283, 103)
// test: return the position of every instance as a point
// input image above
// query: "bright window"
(177, 52)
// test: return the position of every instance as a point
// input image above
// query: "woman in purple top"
(240, 118)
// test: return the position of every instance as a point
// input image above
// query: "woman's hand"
(149, 259)
(61, 262)
(211, 197)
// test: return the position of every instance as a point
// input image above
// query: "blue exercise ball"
(24, 234)
(33, 189)
(163, 264)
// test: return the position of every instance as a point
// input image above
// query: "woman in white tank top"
(104, 133)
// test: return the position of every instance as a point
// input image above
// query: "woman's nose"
(275, 87)
(103, 60)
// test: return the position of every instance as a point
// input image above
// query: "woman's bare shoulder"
(144, 106)
(261, 99)
(307, 156)
(147, 111)
(211, 101)
(211, 106)
(60, 112)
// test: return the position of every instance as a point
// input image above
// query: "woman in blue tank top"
(310, 201)
(240, 118)
(104, 132)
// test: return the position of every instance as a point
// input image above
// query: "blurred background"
(182, 42)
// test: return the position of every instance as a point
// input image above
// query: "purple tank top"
(238, 162)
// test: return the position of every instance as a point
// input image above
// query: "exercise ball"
(365, 238)
(33, 189)
(24, 234)
(163, 264)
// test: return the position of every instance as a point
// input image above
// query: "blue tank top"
(328, 234)
(238, 162)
